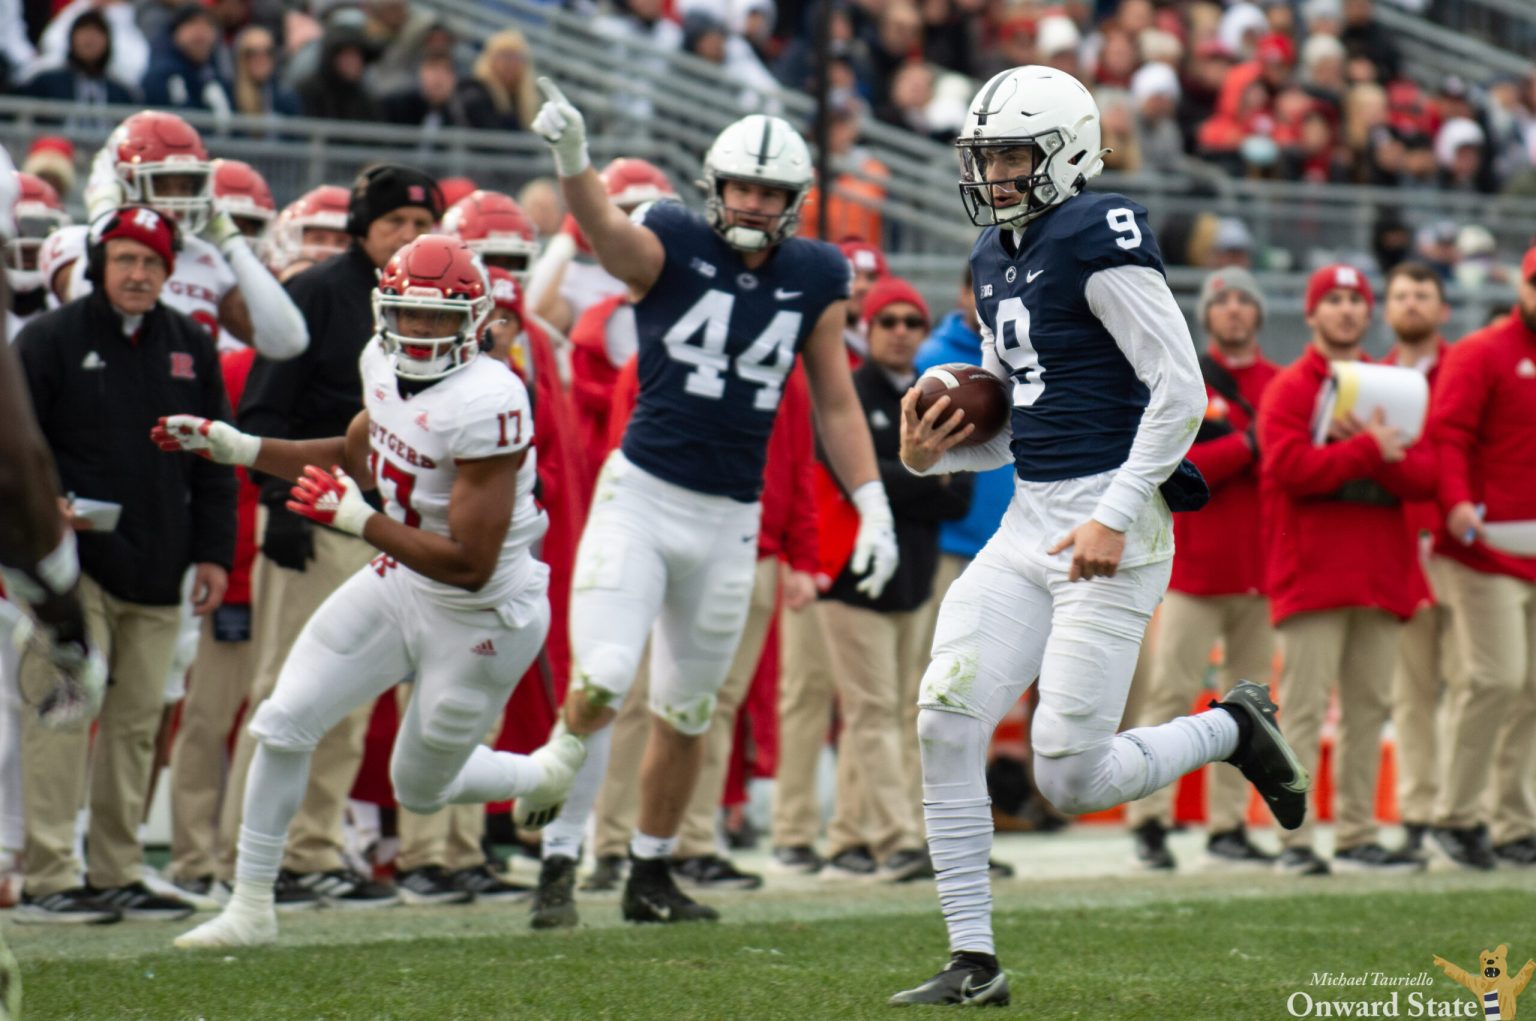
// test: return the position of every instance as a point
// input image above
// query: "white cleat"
(232, 927)
(560, 758)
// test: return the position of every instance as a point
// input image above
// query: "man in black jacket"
(877, 643)
(101, 371)
(316, 395)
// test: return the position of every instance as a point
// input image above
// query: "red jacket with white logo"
(1483, 419)
(1219, 552)
(1335, 528)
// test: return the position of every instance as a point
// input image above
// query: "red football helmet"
(496, 228)
(241, 191)
(430, 307)
(312, 227)
(38, 213)
(161, 162)
(631, 182)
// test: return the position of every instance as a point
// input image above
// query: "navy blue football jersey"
(716, 343)
(1076, 399)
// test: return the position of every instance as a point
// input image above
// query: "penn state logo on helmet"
(759, 150)
(1031, 141)
(430, 307)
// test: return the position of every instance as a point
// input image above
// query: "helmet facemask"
(751, 239)
(979, 158)
(22, 269)
(178, 186)
(429, 338)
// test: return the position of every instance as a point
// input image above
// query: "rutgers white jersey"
(478, 412)
(586, 283)
(196, 289)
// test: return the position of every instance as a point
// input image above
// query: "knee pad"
(605, 674)
(1071, 782)
(275, 727)
(950, 683)
(457, 720)
(1058, 731)
(689, 714)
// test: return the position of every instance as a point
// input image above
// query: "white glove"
(102, 196)
(563, 127)
(217, 441)
(221, 231)
(874, 551)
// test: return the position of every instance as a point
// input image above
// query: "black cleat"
(1233, 849)
(964, 982)
(1263, 756)
(607, 873)
(554, 900)
(651, 895)
(1467, 846)
(1152, 851)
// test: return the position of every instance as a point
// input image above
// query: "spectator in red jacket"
(1340, 568)
(1415, 309)
(787, 546)
(1483, 424)
(603, 339)
(1217, 588)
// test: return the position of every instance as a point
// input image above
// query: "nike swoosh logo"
(969, 991)
(782, 295)
(1029, 278)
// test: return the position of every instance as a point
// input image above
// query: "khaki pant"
(1426, 658)
(618, 804)
(221, 680)
(875, 655)
(1189, 626)
(449, 837)
(1492, 704)
(1352, 649)
(806, 689)
(282, 603)
(138, 642)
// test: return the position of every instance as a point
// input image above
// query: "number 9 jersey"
(1077, 402)
(416, 443)
(716, 343)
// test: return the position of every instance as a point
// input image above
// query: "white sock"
(1136, 763)
(564, 836)
(260, 856)
(274, 787)
(490, 775)
(646, 847)
(957, 811)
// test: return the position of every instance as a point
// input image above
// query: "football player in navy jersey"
(1107, 396)
(723, 303)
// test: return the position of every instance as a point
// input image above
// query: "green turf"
(1107, 950)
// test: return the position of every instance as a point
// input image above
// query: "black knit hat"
(385, 187)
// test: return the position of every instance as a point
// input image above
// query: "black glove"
(290, 539)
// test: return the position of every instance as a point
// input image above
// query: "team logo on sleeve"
(182, 366)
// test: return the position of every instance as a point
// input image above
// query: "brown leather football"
(982, 396)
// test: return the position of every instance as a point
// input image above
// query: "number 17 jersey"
(416, 443)
(716, 343)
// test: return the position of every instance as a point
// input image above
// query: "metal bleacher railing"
(1434, 50)
(1507, 25)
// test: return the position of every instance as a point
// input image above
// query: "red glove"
(331, 499)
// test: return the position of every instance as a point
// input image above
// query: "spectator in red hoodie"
(1482, 421)
(1415, 309)
(1217, 588)
(1341, 568)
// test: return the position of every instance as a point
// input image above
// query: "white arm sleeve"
(278, 329)
(1138, 310)
(994, 453)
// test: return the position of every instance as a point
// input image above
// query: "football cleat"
(560, 758)
(964, 982)
(1263, 755)
(235, 926)
(554, 901)
(651, 895)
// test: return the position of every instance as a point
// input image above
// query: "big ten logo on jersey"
(701, 338)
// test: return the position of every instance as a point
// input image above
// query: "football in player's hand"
(982, 396)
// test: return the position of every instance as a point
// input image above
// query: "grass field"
(1093, 946)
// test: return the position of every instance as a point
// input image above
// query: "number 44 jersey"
(716, 342)
(1076, 400)
(416, 443)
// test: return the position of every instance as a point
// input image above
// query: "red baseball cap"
(866, 258)
(506, 292)
(1338, 276)
(1276, 49)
